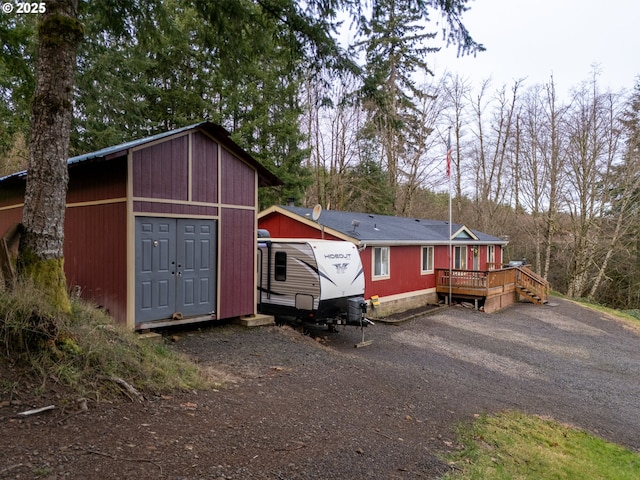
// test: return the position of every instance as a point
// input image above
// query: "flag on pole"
(449, 155)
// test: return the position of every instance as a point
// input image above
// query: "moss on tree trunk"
(47, 275)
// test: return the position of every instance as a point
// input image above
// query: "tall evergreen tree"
(17, 81)
(395, 52)
(396, 46)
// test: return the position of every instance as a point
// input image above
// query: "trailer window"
(281, 266)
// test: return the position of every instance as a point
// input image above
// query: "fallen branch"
(129, 389)
(36, 410)
(125, 459)
(383, 435)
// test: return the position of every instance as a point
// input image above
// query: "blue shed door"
(175, 267)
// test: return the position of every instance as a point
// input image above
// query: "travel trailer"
(317, 281)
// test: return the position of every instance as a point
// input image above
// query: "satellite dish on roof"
(317, 210)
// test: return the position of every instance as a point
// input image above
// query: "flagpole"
(450, 219)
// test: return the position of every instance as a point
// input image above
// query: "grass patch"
(85, 351)
(634, 313)
(513, 445)
(630, 316)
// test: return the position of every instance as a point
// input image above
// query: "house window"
(427, 260)
(491, 257)
(460, 258)
(381, 262)
(281, 266)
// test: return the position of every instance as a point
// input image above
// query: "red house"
(160, 230)
(401, 256)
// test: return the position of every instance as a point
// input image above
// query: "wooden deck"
(496, 288)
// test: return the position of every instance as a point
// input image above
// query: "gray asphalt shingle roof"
(373, 228)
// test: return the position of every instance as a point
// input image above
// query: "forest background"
(362, 125)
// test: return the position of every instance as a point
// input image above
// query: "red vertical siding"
(440, 256)
(280, 226)
(369, 287)
(8, 218)
(174, 209)
(238, 250)
(11, 195)
(238, 181)
(95, 255)
(12, 192)
(93, 181)
(405, 272)
(204, 157)
(484, 252)
(162, 170)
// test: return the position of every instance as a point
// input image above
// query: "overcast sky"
(538, 38)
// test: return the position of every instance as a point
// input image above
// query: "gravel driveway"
(298, 408)
(562, 360)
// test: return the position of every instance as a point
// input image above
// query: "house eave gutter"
(391, 243)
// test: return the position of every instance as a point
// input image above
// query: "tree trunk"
(41, 253)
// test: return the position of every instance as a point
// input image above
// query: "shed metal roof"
(375, 229)
(267, 178)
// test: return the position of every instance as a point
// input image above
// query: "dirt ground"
(295, 407)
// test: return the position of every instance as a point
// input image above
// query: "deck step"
(535, 298)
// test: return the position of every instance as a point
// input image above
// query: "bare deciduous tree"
(592, 147)
(491, 153)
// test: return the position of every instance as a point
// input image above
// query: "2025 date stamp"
(20, 8)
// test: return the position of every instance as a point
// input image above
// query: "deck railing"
(493, 282)
(474, 283)
(537, 287)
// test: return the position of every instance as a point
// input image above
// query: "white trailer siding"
(340, 269)
(299, 276)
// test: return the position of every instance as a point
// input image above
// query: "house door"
(175, 267)
(475, 252)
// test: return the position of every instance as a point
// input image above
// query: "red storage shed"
(160, 230)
